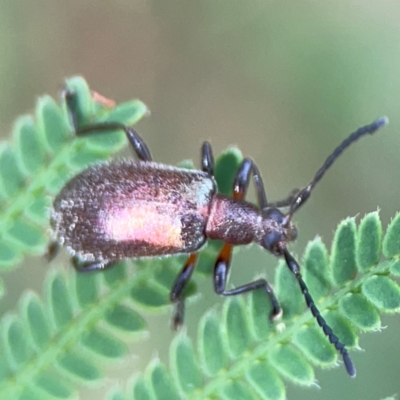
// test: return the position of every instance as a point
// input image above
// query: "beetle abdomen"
(129, 209)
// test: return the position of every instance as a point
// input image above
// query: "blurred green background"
(284, 81)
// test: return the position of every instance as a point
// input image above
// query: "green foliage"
(83, 323)
(42, 155)
(240, 354)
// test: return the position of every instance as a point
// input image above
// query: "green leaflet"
(211, 345)
(369, 241)
(237, 334)
(342, 327)
(312, 342)
(291, 364)
(141, 389)
(383, 293)
(316, 269)
(16, 342)
(59, 300)
(360, 311)
(287, 290)
(161, 383)
(265, 381)
(185, 365)
(34, 314)
(104, 344)
(343, 263)
(78, 368)
(124, 319)
(391, 242)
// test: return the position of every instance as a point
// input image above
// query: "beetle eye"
(271, 239)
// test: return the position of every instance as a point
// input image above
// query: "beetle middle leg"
(222, 265)
(177, 292)
(138, 144)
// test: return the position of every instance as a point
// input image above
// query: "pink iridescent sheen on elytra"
(148, 223)
(128, 209)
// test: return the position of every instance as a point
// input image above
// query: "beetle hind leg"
(52, 250)
(177, 292)
(87, 266)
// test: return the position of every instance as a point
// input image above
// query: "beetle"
(133, 209)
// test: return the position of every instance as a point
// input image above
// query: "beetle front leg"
(221, 272)
(221, 269)
(285, 202)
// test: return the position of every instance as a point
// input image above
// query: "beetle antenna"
(304, 194)
(295, 268)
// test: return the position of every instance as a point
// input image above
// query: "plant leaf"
(241, 353)
(42, 155)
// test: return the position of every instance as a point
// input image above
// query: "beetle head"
(277, 230)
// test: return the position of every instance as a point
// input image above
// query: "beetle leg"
(221, 273)
(87, 266)
(242, 180)
(207, 159)
(139, 146)
(221, 269)
(177, 292)
(52, 250)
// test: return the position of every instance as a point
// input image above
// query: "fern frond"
(84, 322)
(240, 354)
(42, 155)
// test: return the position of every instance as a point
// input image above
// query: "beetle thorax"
(234, 221)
